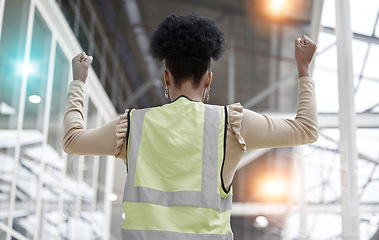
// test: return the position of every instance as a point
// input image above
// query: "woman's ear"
(208, 81)
(166, 77)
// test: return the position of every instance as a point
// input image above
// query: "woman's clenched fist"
(80, 66)
(304, 50)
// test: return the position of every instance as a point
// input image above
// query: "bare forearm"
(303, 70)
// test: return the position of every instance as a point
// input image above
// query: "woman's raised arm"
(77, 139)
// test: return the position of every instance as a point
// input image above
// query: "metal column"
(2, 4)
(46, 123)
(317, 7)
(231, 64)
(303, 225)
(110, 168)
(274, 64)
(348, 148)
(20, 116)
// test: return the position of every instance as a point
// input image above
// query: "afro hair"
(187, 43)
(187, 36)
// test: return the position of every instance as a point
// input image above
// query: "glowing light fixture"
(34, 99)
(112, 197)
(260, 222)
(27, 68)
(277, 6)
(24, 68)
(274, 187)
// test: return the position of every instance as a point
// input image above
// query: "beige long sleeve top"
(246, 129)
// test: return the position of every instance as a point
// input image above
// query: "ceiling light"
(274, 187)
(34, 99)
(276, 6)
(260, 222)
(24, 68)
(112, 197)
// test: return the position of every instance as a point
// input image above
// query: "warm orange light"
(274, 188)
(276, 6)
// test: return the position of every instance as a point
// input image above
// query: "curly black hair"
(187, 43)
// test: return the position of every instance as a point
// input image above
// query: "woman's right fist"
(304, 50)
(80, 66)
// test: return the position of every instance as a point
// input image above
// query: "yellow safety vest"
(174, 188)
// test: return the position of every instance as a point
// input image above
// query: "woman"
(182, 156)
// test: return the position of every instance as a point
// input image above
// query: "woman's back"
(175, 155)
(182, 156)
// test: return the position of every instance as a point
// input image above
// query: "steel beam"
(140, 91)
(14, 233)
(273, 87)
(2, 5)
(231, 63)
(242, 209)
(356, 36)
(331, 120)
(77, 17)
(368, 50)
(142, 39)
(347, 120)
(123, 50)
(317, 7)
(274, 64)
(361, 155)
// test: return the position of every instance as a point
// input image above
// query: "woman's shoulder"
(235, 116)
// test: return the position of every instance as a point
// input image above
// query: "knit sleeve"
(121, 130)
(235, 116)
(263, 131)
(79, 140)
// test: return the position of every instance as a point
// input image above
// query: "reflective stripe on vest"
(199, 210)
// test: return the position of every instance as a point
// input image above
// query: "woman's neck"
(196, 94)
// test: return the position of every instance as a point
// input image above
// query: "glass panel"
(90, 179)
(58, 100)
(327, 57)
(327, 87)
(89, 218)
(32, 152)
(371, 70)
(72, 189)
(53, 151)
(359, 53)
(328, 18)
(12, 48)
(363, 16)
(367, 95)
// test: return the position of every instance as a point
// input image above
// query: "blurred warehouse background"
(327, 190)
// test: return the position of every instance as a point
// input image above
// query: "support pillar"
(347, 123)
(231, 64)
(2, 5)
